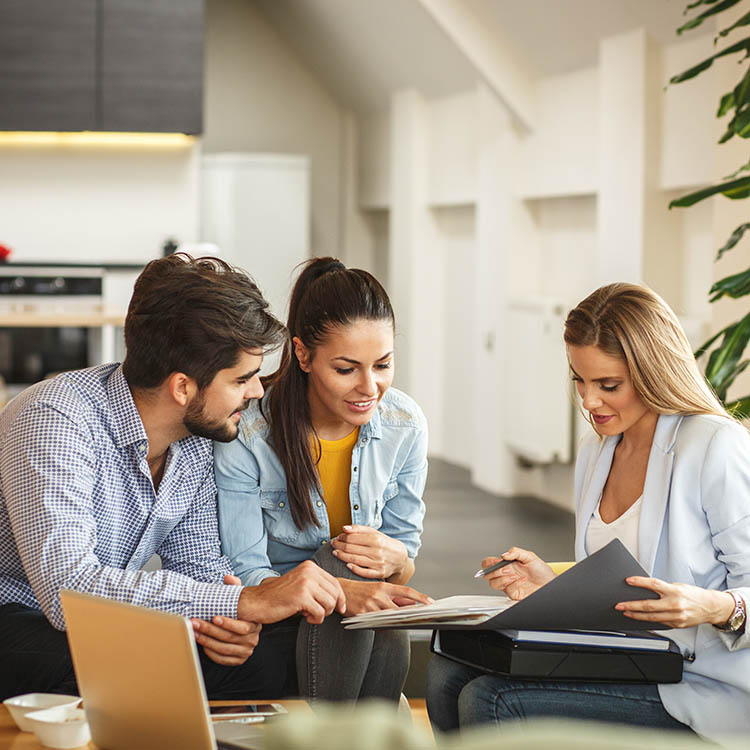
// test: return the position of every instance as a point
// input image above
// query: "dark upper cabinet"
(151, 65)
(47, 65)
(111, 65)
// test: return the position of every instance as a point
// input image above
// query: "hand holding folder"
(581, 598)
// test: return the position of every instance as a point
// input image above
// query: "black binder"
(493, 652)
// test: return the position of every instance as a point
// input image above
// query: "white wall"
(83, 203)
(456, 229)
(580, 200)
(260, 98)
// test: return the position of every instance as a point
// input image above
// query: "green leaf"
(735, 286)
(698, 20)
(697, 3)
(721, 386)
(740, 407)
(736, 236)
(742, 46)
(725, 359)
(743, 168)
(744, 21)
(707, 345)
(735, 189)
(741, 123)
(726, 103)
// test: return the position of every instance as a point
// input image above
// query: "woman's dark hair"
(326, 295)
(193, 316)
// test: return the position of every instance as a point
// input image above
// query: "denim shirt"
(388, 474)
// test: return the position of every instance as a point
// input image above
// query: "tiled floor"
(464, 524)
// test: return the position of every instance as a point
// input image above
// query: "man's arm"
(49, 470)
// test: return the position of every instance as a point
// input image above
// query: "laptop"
(139, 675)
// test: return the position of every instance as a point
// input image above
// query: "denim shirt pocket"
(277, 516)
(391, 490)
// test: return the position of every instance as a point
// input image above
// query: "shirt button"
(356, 507)
(319, 503)
(281, 504)
(323, 543)
(354, 468)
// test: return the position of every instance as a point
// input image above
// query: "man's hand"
(369, 553)
(307, 589)
(370, 596)
(224, 640)
(227, 641)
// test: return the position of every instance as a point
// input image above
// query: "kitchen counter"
(54, 264)
(62, 320)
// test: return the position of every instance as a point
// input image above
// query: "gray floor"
(464, 524)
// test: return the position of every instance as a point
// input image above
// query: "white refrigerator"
(256, 209)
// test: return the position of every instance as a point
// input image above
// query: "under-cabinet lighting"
(92, 138)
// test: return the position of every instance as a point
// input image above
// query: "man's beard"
(198, 424)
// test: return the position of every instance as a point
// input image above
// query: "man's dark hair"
(193, 315)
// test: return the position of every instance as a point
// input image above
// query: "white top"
(624, 528)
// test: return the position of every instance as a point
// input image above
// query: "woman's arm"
(389, 554)
(725, 499)
(243, 534)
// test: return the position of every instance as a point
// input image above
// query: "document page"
(470, 610)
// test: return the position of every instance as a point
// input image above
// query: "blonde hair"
(635, 324)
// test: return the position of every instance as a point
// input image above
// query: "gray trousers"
(334, 664)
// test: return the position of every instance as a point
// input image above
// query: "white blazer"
(695, 529)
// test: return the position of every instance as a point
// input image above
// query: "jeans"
(35, 658)
(460, 696)
(334, 664)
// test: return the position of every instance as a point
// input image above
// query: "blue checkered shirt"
(78, 509)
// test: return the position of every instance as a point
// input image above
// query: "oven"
(50, 321)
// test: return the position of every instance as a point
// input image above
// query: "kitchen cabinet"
(151, 65)
(47, 65)
(107, 65)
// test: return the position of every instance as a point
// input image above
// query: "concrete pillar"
(629, 204)
(415, 267)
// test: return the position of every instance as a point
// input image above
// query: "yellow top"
(334, 469)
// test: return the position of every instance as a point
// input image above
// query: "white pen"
(482, 572)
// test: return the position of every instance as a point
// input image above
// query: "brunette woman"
(330, 466)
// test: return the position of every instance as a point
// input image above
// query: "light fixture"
(94, 138)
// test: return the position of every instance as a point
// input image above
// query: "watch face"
(737, 620)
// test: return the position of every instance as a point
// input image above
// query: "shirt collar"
(373, 428)
(129, 428)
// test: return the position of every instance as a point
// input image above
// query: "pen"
(483, 571)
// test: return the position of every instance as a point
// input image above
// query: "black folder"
(493, 652)
(583, 597)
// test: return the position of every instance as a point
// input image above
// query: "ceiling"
(363, 50)
(558, 36)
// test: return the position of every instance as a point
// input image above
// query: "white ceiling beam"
(501, 68)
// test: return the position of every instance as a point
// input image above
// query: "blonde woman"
(667, 471)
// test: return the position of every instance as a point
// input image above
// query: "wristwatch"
(736, 622)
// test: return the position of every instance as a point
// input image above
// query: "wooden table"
(11, 738)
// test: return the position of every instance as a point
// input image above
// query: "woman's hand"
(679, 605)
(370, 596)
(369, 553)
(522, 577)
